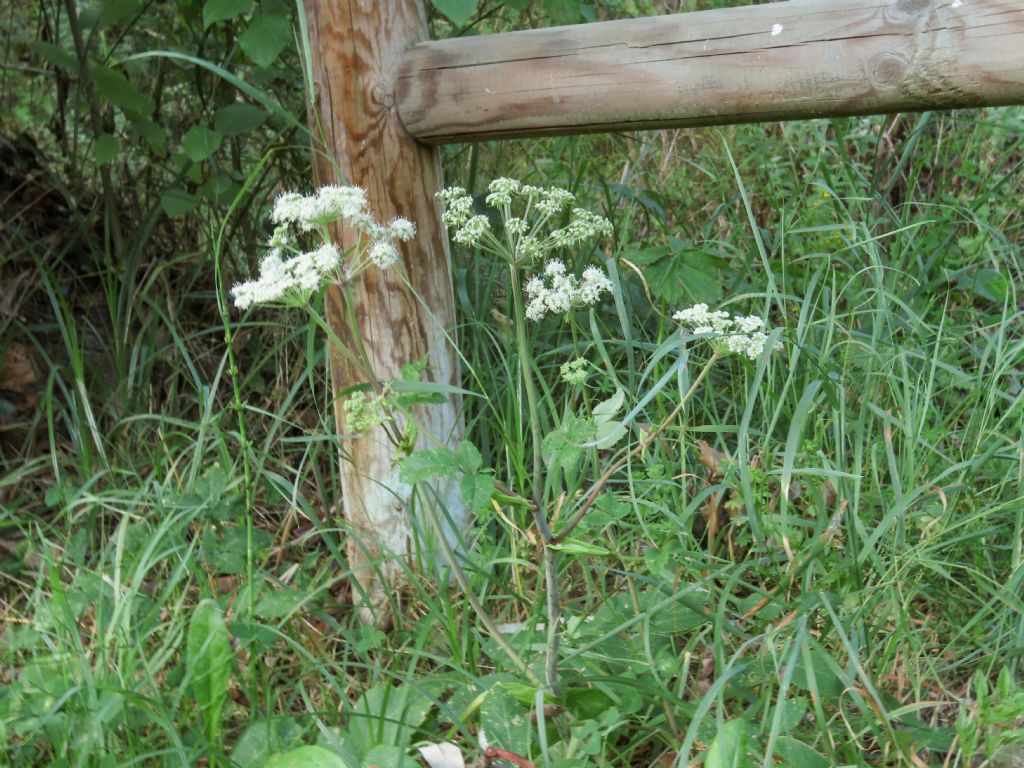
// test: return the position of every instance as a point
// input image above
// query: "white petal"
(443, 755)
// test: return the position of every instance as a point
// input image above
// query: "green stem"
(554, 607)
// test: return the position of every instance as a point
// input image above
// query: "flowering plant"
(290, 275)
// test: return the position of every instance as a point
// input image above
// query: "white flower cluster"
(556, 291)
(297, 276)
(735, 334)
(526, 237)
(294, 278)
(575, 371)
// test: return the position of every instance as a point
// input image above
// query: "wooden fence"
(384, 96)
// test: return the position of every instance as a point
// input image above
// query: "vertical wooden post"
(357, 46)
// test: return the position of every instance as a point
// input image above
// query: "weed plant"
(818, 564)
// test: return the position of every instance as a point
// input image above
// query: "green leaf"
(576, 547)
(605, 410)
(153, 134)
(587, 703)
(268, 34)
(209, 656)
(107, 147)
(115, 88)
(200, 142)
(280, 603)
(798, 754)
(238, 118)
(265, 738)
(562, 447)
(56, 56)
(221, 10)
(457, 11)
(505, 722)
(477, 491)
(113, 11)
(177, 202)
(468, 456)
(423, 465)
(387, 715)
(564, 11)
(729, 749)
(306, 757)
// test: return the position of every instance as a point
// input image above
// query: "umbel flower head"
(526, 213)
(557, 291)
(290, 275)
(730, 334)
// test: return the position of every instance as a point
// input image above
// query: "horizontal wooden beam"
(780, 61)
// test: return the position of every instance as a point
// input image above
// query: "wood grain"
(356, 48)
(780, 61)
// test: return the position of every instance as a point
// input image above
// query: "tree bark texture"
(356, 48)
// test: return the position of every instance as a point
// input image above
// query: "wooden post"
(780, 61)
(356, 47)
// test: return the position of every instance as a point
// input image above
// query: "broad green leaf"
(177, 202)
(387, 715)
(268, 34)
(280, 603)
(306, 757)
(107, 147)
(200, 142)
(221, 10)
(265, 738)
(575, 547)
(797, 754)
(729, 749)
(56, 56)
(506, 723)
(153, 134)
(389, 756)
(605, 410)
(116, 88)
(477, 489)
(238, 118)
(564, 11)
(468, 456)
(113, 11)
(209, 656)
(587, 703)
(423, 465)
(458, 11)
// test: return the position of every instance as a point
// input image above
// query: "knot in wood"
(382, 94)
(886, 70)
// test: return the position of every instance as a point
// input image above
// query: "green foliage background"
(861, 604)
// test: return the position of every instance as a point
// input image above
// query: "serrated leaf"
(457, 11)
(468, 456)
(729, 749)
(562, 447)
(605, 410)
(306, 757)
(200, 142)
(238, 118)
(119, 91)
(209, 656)
(222, 10)
(477, 489)
(268, 34)
(56, 56)
(177, 202)
(423, 465)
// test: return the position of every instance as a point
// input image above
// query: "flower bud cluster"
(731, 334)
(525, 212)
